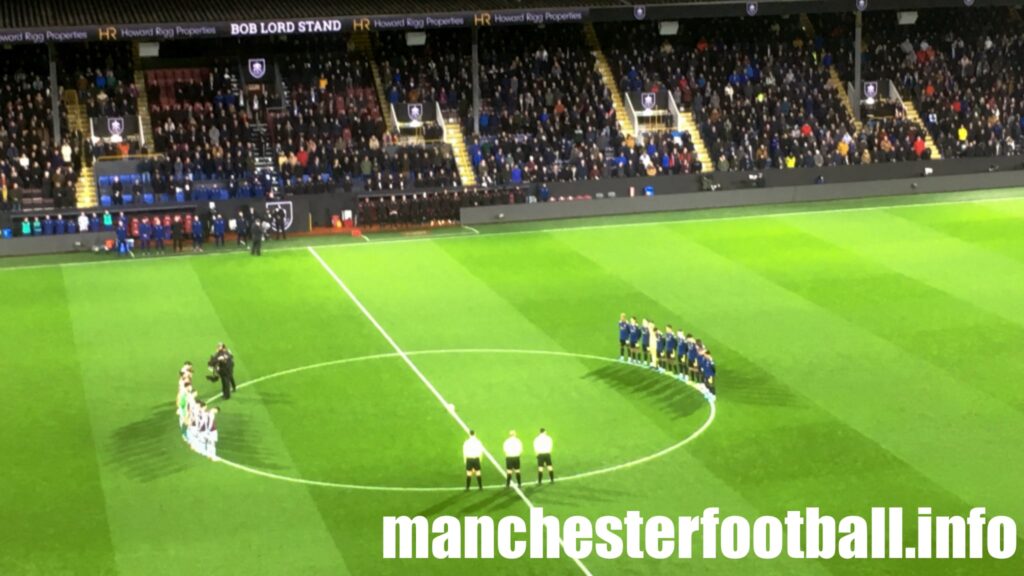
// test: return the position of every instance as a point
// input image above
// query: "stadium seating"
(962, 70)
(436, 72)
(546, 114)
(39, 172)
(103, 76)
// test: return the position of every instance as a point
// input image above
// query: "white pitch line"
(471, 229)
(426, 382)
(579, 476)
(567, 228)
(364, 237)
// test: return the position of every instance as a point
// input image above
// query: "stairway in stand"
(914, 117)
(836, 82)
(625, 124)
(687, 123)
(453, 136)
(143, 102)
(362, 43)
(264, 160)
(85, 189)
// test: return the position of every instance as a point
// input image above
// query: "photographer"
(222, 367)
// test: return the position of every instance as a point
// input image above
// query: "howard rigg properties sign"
(159, 32)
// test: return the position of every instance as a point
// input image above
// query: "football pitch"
(868, 354)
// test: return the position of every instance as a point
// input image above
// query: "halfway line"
(412, 366)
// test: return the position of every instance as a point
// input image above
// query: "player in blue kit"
(197, 234)
(709, 375)
(681, 351)
(691, 358)
(634, 340)
(122, 238)
(623, 336)
(219, 226)
(145, 233)
(659, 350)
(158, 234)
(668, 357)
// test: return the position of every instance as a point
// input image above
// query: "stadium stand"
(764, 104)
(546, 114)
(962, 71)
(333, 126)
(37, 172)
(433, 73)
(758, 93)
(103, 76)
(436, 72)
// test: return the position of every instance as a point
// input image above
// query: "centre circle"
(385, 424)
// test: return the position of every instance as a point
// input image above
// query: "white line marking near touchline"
(426, 382)
(455, 351)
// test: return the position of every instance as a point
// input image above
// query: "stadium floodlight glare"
(906, 18)
(668, 28)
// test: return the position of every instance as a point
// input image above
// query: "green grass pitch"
(868, 355)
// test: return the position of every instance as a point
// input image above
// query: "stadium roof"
(67, 14)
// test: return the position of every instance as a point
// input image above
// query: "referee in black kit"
(472, 451)
(542, 445)
(513, 448)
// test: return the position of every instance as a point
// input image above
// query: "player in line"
(687, 357)
(623, 337)
(185, 395)
(542, 445)
(634, 340)
(472, 452)
(203, 429)
(513, 449)
(197, 422)
(668, 350)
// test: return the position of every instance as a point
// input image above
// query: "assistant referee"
(513, 448)
(542, 447)
(472, 451)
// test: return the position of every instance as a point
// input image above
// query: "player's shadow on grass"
(150, 448)
(660, 390)
(242, 441)
(474, 502)
(573, 494)
(276, 398)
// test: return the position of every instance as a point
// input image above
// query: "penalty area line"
(426, 382)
